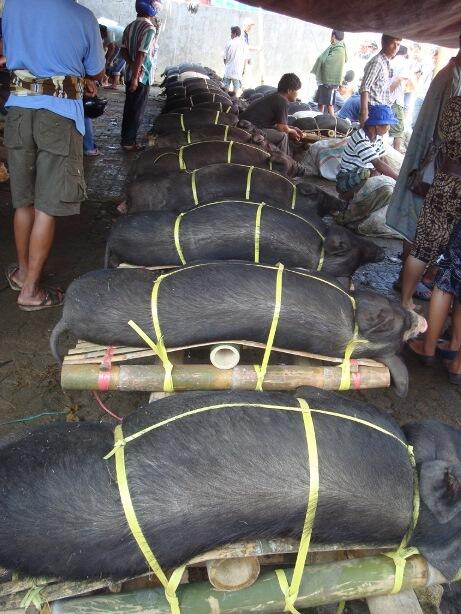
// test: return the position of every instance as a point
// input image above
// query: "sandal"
(130, 148)
(10, 270)
(427, 361)
(53, 298)
(92, 153)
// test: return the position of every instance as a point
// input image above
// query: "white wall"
(286, 44)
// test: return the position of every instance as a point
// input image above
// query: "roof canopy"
(427, 21)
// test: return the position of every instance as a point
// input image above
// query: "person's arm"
(363, 115)
(137, 70)
(383, 168)
(94, 61)
(110, 52)
(370, 75)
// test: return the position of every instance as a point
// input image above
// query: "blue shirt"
(50, 38)
(351, 108)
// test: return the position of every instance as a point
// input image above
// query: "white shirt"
(401, 69)
(235, 56)
(360, 151)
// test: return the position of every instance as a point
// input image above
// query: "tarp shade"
(427, 21)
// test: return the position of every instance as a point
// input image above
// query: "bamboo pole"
(321, 584)
(150, 378)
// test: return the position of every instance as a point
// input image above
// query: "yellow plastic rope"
(189, 140)
(291, 592)
(399, 557)
(292, 408)
(402, 553)
(162, 353)
(181, 119)
(216, 118)
(341, 607)
(170, 585)
(322, 253)
(261, 370)
(194, 187)
(229, 152)
(226, 132)
(248, 187)
(293, 198)
(258, 230)
(182, 164)
(346, 364)
(177, 242)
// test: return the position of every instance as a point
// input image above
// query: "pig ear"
(375, 322)
(440, 488)
(336, 245)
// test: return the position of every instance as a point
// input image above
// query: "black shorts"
(326, 94)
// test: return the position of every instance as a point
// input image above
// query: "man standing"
(235, 58)
(270, 113)
(401, 77)
(328, 71)
(138, 49)
(44, 128)
(375, 88)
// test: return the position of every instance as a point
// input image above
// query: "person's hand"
(91, 89)
(363, 118)
(293, 135)
(134, 84)
(299, 131)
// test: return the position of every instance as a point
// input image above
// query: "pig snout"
(418, 325)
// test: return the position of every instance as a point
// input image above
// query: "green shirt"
(329, 67)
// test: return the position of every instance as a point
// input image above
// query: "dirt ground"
(29, 377)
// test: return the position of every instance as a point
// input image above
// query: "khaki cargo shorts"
(45, 159)
(398, 130)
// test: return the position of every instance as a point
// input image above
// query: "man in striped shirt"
(376, 88)
(138, 48)
(365, 180)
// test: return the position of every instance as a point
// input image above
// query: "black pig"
(159, 161)
(226, 301)
(175, 191)
(209, 132)
(226, 231)
(234, 474)
(192, 119)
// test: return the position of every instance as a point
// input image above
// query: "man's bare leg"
(23, 222)
(398, 143)
(331, 110)
(41, 240)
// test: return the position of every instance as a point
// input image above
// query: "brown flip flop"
(55, 296)
(10, 270)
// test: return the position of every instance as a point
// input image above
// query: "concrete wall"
(283, 44)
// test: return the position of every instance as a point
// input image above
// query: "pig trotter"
(399, 374)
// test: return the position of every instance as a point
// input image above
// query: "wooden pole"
(150, 378)
(321, 584)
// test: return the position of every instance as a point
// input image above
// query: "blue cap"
(146, 7)
(380, 115)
